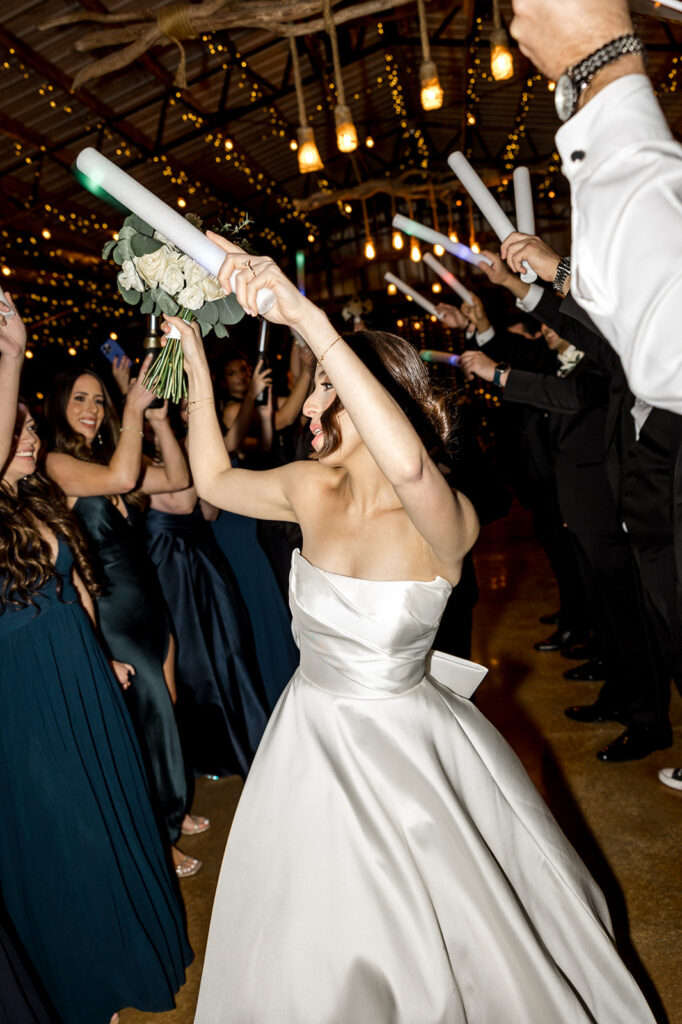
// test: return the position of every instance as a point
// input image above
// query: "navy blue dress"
(131, 615)
(84, 877)
(276, 651)
(222, 709)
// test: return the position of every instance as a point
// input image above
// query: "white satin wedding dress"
(390, 861)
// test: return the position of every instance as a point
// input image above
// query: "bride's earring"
(99, 439)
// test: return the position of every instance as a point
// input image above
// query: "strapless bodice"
(363, 638)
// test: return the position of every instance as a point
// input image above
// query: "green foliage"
(142, 245)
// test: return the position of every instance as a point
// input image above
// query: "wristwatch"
(577, 77)
(563, 271)
(499, 370)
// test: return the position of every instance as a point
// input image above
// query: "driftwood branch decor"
(138, 32)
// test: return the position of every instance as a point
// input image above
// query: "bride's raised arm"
(445, 520)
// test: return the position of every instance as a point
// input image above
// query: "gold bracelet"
(134, 430)
(193, 406)
(337, 338)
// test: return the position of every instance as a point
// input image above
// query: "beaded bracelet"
(134, 430)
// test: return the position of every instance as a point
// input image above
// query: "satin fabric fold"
(390, 860)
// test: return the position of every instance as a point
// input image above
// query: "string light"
(415, 251)
(369, 142)
(439, 250)
(370, 250)
(397, 241)
(392, 291)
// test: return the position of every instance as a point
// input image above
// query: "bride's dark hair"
(396, 364)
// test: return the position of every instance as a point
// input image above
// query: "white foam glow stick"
(674, 5)
(432, 355)
(487, 204)
(10, 314)
(414, 228)
(523, 198)
(406, 290)
(160, 216)
(449, 278)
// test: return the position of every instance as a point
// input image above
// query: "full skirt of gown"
(222, 708)
(390, 861)
(84, 876)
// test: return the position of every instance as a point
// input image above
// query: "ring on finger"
(247, 264)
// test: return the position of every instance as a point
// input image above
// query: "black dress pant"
(551, 533)
(637, 681)
(656, 564)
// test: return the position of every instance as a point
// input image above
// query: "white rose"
(173, 279)
(129, 279)
(212, 289)
(191, 297)
(152, 266)
(192, 271)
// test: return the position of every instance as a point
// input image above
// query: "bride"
(390, 861)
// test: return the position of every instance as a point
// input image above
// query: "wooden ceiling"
(222, 143)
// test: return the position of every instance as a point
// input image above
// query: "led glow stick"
(413, 227)
(449, 278)
(432, 355)
(419, 299)
(523, 198)
(105, 175)
(487, 204)
(10, 313)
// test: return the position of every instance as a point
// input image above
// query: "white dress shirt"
(625, 171)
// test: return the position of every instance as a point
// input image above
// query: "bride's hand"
(254, 273)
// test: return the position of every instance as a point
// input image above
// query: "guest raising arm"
(370, 417)
(12, 349)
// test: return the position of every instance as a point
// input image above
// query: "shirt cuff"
(533, 296)
(621, 117)
(483, 337)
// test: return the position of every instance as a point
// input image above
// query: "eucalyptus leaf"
(118, 256)
(204, 328)
(147, 304)
(108, 248)
(208, 314)
(142, 245)
(122, 251)
(130, 296)
(229, 310)
(127, 232)
(138, 225)
(220, 330)
(165, 303)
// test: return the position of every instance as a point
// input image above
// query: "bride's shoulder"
(307, 479)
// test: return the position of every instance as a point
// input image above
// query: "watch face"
(564, 98)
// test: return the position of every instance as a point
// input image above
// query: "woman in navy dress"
(84, 877)
(101, 469)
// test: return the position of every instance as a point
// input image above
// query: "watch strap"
(499, 370)
(580, 74)
(562, 273)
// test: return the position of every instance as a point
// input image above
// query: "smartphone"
(112, 350)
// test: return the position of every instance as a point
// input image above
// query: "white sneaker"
(671, 777)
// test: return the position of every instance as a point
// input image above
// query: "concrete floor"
(624, 823)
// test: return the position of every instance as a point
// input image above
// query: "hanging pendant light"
(431, 89)
(308, 154)
(346, 134)
(501, 57)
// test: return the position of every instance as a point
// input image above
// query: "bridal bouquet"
(162, 279)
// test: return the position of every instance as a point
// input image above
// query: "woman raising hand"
(390, 860)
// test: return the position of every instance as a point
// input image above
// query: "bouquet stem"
(166, 377)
